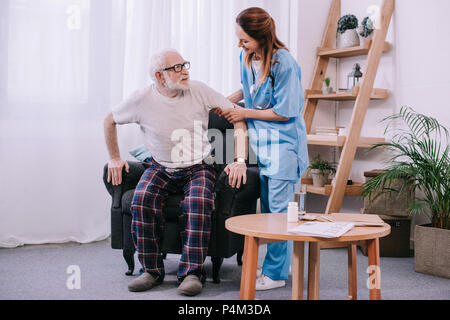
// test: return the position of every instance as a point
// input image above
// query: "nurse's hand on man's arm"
(235, 115)
(236, 172)
(217, 111)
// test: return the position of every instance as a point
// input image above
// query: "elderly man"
(170, 113)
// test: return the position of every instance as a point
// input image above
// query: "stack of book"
(327, 131)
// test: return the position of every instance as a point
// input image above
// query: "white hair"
(158, 62)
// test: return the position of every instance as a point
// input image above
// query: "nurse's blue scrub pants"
(275, 196)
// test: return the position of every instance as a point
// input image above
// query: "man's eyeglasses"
(179, 67)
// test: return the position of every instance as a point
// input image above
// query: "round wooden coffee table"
(265, 228)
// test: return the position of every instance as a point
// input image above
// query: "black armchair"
(229, 202)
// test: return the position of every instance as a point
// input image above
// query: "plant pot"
(320, 178)
(391, 203)
(432, 251)
(327, 90)
(360, 31)
(349, 38)
(369, 37)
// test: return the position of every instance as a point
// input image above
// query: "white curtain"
(63, 64)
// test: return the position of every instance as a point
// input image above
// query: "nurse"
(272, 91)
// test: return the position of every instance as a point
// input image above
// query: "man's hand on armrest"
(115, 170)
(116, 163)
(237, 172)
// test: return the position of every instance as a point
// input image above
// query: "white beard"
(175, 86)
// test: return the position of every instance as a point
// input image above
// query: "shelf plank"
(353, 190)
(377, 94)
(339, 141)
(350, 52)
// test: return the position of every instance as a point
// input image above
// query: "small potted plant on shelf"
(326, 89)
(320, 171)
(420, 160)
(366, 28)
(347, 34)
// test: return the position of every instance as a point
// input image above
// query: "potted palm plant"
(320, 171)
(420, 160)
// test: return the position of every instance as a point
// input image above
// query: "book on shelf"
(326, 134)
(322, 229)
(326, 131)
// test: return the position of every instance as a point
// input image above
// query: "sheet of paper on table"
(322, 229)
(360, 220)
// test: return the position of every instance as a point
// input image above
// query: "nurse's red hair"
(259, 25)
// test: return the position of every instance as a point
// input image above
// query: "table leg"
(352, 279)
(313, 270)
(249, 265)
(374, 281)
(298, 266)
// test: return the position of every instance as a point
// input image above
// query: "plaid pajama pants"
(155, 185)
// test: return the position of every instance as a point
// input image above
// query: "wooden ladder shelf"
(361, 95)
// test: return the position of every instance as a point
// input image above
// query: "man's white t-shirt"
(175, 129)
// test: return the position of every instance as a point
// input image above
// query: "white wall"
(415, 71)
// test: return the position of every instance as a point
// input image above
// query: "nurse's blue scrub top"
(280, 146)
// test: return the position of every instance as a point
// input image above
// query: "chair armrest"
(233, 201)
(129, 181)
(250, 190)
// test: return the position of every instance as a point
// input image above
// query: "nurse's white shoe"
(265, 283)
(258, 272)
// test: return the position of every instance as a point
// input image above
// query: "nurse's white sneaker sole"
(265, 283)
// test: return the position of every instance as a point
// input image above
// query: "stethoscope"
(252, 89)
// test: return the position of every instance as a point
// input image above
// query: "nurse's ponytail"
(259, 25)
